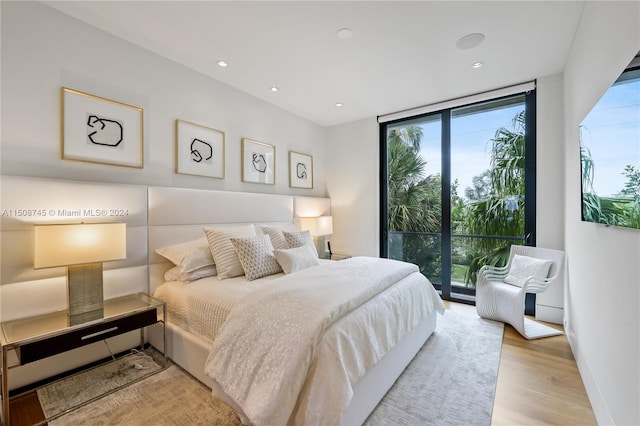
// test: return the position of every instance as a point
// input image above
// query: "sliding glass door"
(458, 189)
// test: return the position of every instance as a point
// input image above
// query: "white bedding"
(202, 306)
(325, 342)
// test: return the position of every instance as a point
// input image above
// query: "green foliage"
(496, 205)
(414, 199)
(632, 186)
(414, 203)
(500, 211)
(621, 210)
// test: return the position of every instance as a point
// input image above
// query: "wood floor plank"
(539, 383)
(24, 410)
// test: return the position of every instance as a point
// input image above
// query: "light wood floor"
(538, 384)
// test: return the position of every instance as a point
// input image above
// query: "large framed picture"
(199, 150)
(99, 130)
(300, 170)
(258, 162)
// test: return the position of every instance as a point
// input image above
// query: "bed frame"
(156, 217)
(176, 215)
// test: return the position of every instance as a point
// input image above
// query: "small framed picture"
(199, 150)
(99, 130)
(258, 162)
(300, 170)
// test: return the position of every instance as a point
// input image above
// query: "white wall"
(603, 320)
(43, 49)
(549, 187)
(352, 184)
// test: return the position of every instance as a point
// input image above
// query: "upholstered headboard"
(177, 214)
(155, 217)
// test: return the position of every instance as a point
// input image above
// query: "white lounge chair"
(500, 292)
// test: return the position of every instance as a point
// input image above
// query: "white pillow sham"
(174, 274)
(222, 250)
(256, 256)
(296, 259)
(188, 256)
(523, 267)
(275, 232)
(299, 239)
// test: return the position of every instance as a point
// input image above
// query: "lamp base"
(84, 292)
(321, 247)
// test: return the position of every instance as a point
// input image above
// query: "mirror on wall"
(610, 154)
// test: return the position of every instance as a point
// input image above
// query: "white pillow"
(523, 267)
(188, 256)
(224, 254)
(296, 259)
(298, 239)
(174, 274)
(276, 234)
(256, 256)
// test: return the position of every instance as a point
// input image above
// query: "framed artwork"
(258, 162)
(99, 130)
(300, 170)
(199, 150)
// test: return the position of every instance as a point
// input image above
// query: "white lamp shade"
(63, 245)
(321, 225)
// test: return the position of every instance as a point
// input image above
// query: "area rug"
(58, 397)
(451, 381)
(170, 397)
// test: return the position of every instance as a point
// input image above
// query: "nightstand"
(42, 336)
(335, 256)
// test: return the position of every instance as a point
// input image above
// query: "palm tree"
(414, 202)
(411, 194)
(501, 210)
(620, 210)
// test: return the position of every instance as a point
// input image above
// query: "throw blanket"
(260, 369)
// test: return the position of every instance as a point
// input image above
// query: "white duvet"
(291, 351)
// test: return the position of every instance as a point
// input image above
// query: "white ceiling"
(401, 54)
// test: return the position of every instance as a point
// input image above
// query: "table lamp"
(81, 248)
(319, 227)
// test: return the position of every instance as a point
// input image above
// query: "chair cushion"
(523, 267)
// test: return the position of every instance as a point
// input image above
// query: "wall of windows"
(458, 188)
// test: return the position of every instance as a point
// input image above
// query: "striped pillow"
(224, 254)
(256, 256)
(276, 235)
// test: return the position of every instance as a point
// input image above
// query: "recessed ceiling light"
(344, 33)
(274, 89)
(470, 41)
(338, 104)
(477, 64)
(222, 63)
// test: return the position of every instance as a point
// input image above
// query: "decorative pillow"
(299, 239)
(224, 255)
(523, 267)
(188, 256)
(277, 236)
(296, 259)
(256, 256)
(174, 274)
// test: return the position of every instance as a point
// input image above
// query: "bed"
(346, 353)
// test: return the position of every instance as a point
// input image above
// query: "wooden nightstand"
(42, 336)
